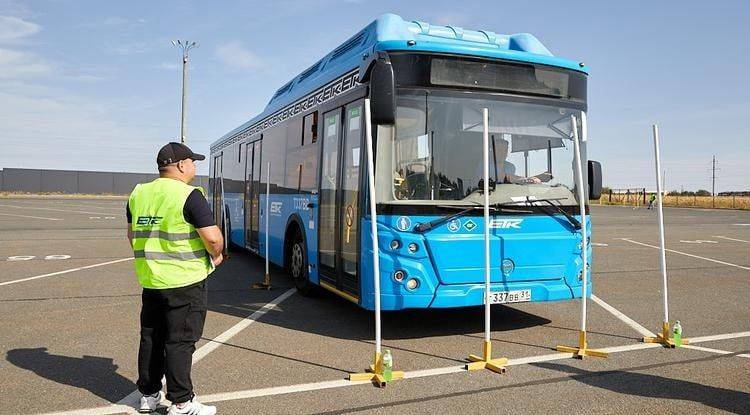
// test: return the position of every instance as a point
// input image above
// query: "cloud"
(235, 56)
(131, 48)
(17, 64)
(13, 28)
(169, 66)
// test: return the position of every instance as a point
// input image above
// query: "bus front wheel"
(297, 265)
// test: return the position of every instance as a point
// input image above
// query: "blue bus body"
(447, 261)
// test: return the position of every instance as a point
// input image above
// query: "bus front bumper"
(469, 295)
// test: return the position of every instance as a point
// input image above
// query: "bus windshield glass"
(436, 152)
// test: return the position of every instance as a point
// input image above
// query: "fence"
(40, 181)
(640, 197)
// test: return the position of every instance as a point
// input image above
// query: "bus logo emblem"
(506, 223)
(470, 225)
(403, 224)
(454, 225)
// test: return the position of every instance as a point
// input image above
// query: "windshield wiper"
(424, 227)
(551, 202)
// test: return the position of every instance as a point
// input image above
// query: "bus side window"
(310, 128)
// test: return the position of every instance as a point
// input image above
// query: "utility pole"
(713, 182)
(185, 46)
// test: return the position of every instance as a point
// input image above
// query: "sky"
(95, 85)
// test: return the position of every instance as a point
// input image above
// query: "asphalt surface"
(70, 303)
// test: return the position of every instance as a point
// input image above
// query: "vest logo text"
(149, 220)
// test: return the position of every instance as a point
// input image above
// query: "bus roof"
(390, 32)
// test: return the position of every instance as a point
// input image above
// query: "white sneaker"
(149, 403)
(192, 407)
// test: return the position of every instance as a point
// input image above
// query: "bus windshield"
(436, 149)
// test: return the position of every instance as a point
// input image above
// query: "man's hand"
(217, 260)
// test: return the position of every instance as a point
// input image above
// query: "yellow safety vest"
(168, 250)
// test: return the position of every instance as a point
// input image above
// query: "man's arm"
(213, 241)
(130, 220)
(198, 213)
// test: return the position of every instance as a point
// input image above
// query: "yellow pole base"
(375, 375)
(582, 350)
(663, 338)
(496, 365)
(265, 285)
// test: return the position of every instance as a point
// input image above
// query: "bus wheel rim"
(297, 260)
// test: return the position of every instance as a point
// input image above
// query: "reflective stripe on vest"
(168, 251)
(180, 256)
(166, 235)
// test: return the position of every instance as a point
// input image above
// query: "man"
(176, 245)
(504, 170)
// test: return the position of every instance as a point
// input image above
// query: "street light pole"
(185, 46)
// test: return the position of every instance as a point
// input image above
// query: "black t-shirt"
(196, 211)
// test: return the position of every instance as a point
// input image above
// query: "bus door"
(252, 192)
(339, 211)
(217, 189)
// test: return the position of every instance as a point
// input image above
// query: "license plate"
(505, 297)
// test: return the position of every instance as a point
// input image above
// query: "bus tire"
(298, 264)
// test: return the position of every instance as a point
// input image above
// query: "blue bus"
(427, 85)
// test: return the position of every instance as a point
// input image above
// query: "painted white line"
(709, 350)
(56, 210)
(742, 224)
(65, 271)
(29, 217)
(732, 239)
(342, 383)
(720, 337)
(625, 319)
(232, 331)
(690, 255)
(133, 398)
(598, 244)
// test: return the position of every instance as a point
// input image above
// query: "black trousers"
(171, 323)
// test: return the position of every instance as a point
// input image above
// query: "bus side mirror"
(595, 180)
(382, 93)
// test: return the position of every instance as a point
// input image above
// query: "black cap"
(174, 152)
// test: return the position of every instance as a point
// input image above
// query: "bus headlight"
(413, 247)
(412, 284)
(399, 275)
(508, 266)
(395, 244)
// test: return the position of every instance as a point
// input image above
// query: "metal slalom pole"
(663, 337)
(582, 349)
(375, 372)
(486, 361)
(266, 284)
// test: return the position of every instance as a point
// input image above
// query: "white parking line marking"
(133, 398)
(690, 255)
(717, 351)
(342, 383)
(65, 271)
(598, 244)
(742, 224)
(699, 241)
(625, 319)
(720, 337)
(29, 217)
(732, 239)
(56, 210)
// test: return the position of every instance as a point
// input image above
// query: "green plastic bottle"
(677, 333)
(387, 365)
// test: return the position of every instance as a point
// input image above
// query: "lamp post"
(185, 46)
